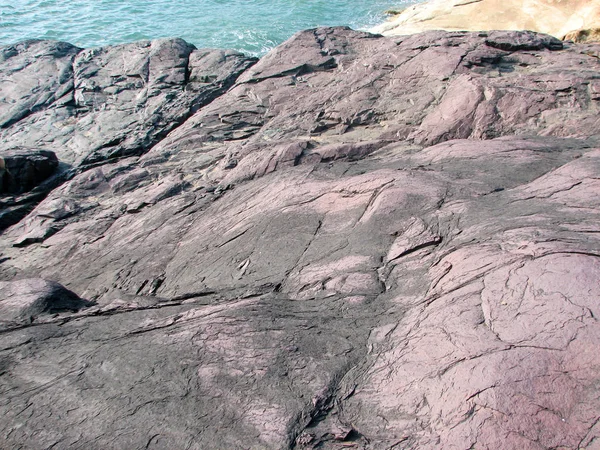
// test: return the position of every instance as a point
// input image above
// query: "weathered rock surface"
(365, 242)
(26, 177)
(90, 106)
(23, 301)
(22, 170)
(562, 19)
(107, 102)
(584, 35)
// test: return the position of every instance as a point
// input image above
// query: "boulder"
(23, 169)
(26, 177)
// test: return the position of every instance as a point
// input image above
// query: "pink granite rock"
(362, 242)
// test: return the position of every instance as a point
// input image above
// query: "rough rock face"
(366, 242)
(558, 18)
(584, 35)
(22, 170)
(26, 177)
(90, 106)
(101, 103)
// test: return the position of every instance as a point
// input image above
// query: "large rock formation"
(90, 106)
(573, 19)
(365, 242)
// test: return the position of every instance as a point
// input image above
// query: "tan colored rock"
(557, 18)
(588, 35)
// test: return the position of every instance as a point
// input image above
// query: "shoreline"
(576, 20)
(569, 19)
(206, 24)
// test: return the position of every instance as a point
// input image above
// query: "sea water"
(252, 26)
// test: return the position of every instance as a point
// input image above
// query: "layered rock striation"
(355, 242)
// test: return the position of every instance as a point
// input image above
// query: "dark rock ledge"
(356, 242)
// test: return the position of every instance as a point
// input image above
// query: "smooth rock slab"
(23, 301)
(545, 16)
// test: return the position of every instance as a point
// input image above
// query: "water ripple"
(250, 26)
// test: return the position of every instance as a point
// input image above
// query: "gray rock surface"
(22, 302)
(362, 242)
(104, 103)
(92, 106)
(35, 75)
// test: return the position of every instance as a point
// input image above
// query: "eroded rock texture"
(567, 17)
(366, 242)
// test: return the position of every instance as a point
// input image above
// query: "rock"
(522, 40)
(361, 242)
(23, 301)
(88, 106)
(586, 35)
(545, 16)
(26, 177)
(114, 101)
(21, 170)
(35, 75)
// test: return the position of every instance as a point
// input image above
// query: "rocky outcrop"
(91, 106)
(584, 35)
(22, 170)
(109, 102)
(22, 302)
(562, 19)
(26, 177)
(365, 242)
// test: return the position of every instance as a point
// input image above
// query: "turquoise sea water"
(252, 26)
